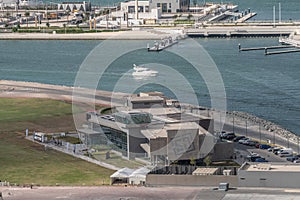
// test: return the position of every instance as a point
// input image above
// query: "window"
(170, 5)
(164, 7)
(158, 5)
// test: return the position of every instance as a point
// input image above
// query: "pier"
(264, 48)
(231, 30)
(163, 44)
(292, 43)
(281, 52)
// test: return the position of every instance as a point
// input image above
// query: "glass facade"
(117, 138)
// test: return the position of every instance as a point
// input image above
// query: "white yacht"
(140, 71)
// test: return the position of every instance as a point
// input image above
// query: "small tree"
(27, 14)
(193, 161)
(207, 160)
(48, 24)
(14, 29)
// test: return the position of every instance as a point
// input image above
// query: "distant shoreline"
(122, 35)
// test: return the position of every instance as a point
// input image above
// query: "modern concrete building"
(148, 129)
(276, 175)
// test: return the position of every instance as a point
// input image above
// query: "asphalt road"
(134, 193)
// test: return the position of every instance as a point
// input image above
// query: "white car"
(297, 161)
(242, 141)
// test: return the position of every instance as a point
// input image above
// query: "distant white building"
(149, 11)
(127, 12)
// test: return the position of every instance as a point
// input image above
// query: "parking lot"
(243, 151)
(247, 149)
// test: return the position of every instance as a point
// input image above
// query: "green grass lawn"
(23, 162)
(117, 160)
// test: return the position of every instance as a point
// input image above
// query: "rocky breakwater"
(267, 125)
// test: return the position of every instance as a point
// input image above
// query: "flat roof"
(205, 171)
(146, 99)
(154, 133)
(182, 126)
(274, 167)
(160, 111)
(162, 131)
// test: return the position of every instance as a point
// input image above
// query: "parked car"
(285, 152)
(227, 136)
(264, 146)
(297, 161)
(237, 138)
(242, 141)
(260, 160)
(293, 158)
(271, 149)
(252, 157)
(251, 142)
(276, 150)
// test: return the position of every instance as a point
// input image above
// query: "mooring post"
(266, 50)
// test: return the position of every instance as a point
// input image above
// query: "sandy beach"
(151, 34)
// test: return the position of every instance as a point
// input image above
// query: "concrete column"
(136, 9)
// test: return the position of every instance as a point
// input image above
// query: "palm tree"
(27, 15)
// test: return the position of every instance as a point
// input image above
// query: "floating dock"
(292, 46)
(264, 48)
(232, 30)
(246, 17)
(163, 44)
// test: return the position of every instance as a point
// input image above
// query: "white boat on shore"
(140, 71)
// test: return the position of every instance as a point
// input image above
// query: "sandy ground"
(121, 35)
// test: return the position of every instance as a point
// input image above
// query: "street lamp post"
(233, 123)
(298, 143)
(259, 132)
(246, 128)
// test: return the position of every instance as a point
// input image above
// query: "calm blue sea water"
(266, 86)
(263, 8)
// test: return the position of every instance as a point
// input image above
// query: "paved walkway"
(69, 151)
